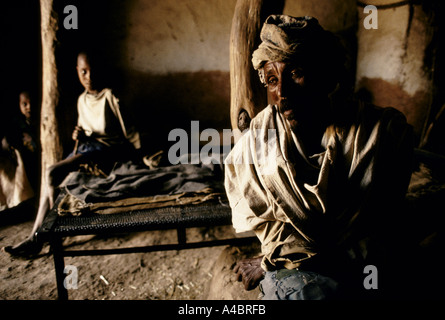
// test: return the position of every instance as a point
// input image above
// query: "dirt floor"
(170, 275)
(206, 274)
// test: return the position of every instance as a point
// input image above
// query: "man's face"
(25, 105)
(288, 88)
(84, 73)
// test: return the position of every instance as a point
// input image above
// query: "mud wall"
(394, 63)
(169, 60)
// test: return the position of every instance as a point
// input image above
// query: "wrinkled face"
(25, 105)
(84, 71)
(288, 88)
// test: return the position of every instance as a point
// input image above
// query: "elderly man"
(316, 177)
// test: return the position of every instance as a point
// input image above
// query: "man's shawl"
(300, 205)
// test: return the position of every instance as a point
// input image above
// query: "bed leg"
(182, 238)
(59, 266)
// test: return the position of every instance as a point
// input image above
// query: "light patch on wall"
(179, 36)
(380, 57)
(389, 53)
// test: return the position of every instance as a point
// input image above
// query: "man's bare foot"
(249, 271)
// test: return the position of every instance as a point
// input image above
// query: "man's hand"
(249, 271)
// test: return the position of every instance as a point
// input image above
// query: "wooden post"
(49, 135)
(247, 92)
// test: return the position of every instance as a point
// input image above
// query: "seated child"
(19, 163)
(26, 139)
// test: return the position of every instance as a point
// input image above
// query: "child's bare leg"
(30, 245)
(44, 207)
(55, 176)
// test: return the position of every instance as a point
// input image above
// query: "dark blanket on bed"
(139, 183)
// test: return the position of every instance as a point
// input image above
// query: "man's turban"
(285, 38)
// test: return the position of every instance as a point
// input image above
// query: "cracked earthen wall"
(393, 67)
(174, 57)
